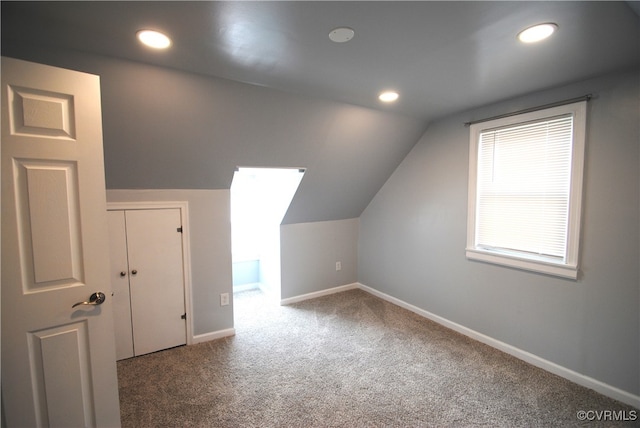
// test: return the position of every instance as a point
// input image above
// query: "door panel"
(157, 288)
(120, 284)
(58, 363)
(37, 112)
(48, 223)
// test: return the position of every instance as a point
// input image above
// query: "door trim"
(183, 206)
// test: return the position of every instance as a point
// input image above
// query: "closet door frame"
(183, 206)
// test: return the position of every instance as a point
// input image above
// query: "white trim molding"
(573, 376)
(200, 338)
(320, 293)
(183, 206)
(562, 265)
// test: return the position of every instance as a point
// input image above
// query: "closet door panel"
(120, 284)
(156, 279)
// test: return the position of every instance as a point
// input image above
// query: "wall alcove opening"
(260, 198)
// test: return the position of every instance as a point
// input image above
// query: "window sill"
(549, 268)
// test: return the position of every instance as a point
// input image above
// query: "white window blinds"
(523, 188)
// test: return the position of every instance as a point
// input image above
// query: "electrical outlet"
(224, 299)
(338, 266)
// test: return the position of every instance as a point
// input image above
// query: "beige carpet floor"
(348, 360)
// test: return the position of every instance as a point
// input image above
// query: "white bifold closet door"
(148, 280)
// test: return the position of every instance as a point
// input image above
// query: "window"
(525, 190)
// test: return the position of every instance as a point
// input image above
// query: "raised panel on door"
(157, 287)
(58, 362)
(120, 284)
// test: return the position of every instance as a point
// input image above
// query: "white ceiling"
(441, 56)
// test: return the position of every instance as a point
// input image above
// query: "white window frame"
(568, 267)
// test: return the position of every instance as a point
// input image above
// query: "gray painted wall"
(309, 252)
(413, 235)
(165, 129)
(210, 239)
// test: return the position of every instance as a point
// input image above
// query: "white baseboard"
(246, 287)
(573, 376)
(213, 336)
(321, 293)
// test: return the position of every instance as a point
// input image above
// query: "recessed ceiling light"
(537, 32)
(388, 96)
(154, 39)
(341, 34)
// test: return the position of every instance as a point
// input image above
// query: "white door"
(157, 290)
(152, 263)
(120, 285)
(58, 362)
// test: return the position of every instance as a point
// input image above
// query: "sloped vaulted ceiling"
(166, 129)
(260, 84)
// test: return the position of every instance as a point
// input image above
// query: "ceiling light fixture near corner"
(153, 39)
(341, 34)
(537, 32)
(388, 96)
